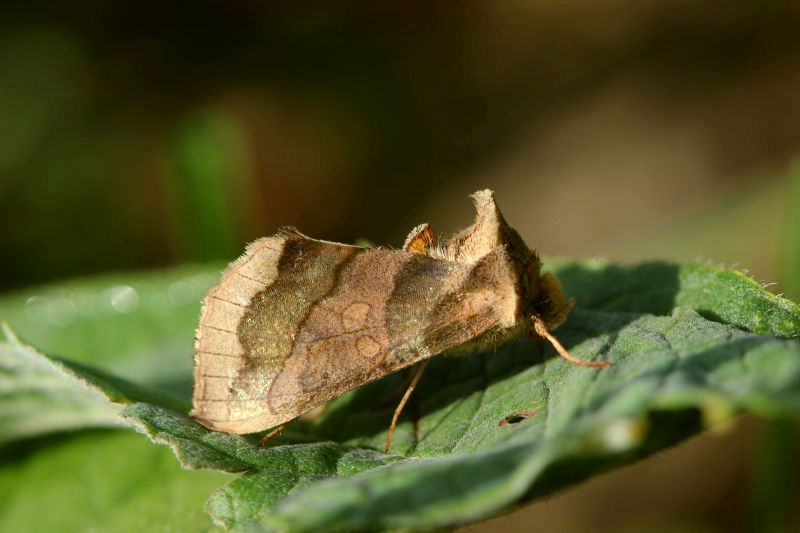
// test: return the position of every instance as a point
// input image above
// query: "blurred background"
(139, 138)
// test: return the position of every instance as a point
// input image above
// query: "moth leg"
(275, 432)
(398, 391)
(543, 331)
(406, 396)
(420, 240)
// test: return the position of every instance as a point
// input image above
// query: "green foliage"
(690, 346)
(140, 327)
(100, 481)
(791, 247)
(204, 180)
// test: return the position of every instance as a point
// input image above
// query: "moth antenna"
(406, 396)
(543, 331)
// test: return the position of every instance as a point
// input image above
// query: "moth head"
(550, 304)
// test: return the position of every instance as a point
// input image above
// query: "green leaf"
(140, 327)
(690, 346)
(37, 397)
(40, 394)
(100, 481)
(719, 294)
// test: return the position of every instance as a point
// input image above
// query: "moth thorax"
(508, 305)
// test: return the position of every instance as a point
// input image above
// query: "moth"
(296, 322)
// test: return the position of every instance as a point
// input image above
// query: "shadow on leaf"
(607, 300)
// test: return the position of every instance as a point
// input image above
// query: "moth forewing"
(219, 354)
(331, 320)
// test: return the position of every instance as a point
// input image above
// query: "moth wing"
(296, 322)
(392, 309)
(247, 324)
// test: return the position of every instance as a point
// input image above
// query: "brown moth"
(295, 321)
